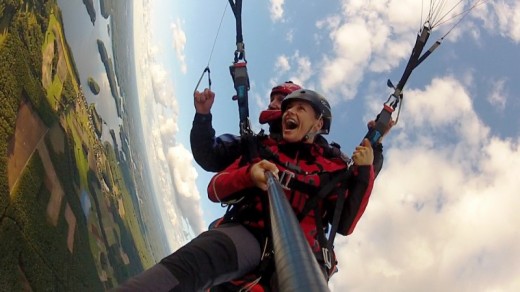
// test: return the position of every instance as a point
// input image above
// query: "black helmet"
(320, 105)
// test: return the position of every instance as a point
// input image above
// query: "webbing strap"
(324, 191)
(236, 6)
(338, 209)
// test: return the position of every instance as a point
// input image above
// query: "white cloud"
(442, 103)
(498, 17)
(331, 23)
(352, 46)
(173, 176)
(357, 41)
(376, 36)
(261, 101)
(163, 89)
(168, 129)
(184, 175)
(289, 36)
(300, 68)
(276, 9)
(156, 142)
(498, 97)
(282, 64)
(508, 17)
(179, 44)
(303, 70)
(403, 15)
(432, 222)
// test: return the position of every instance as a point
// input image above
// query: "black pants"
(216, 256)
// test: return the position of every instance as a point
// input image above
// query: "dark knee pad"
(196, 264)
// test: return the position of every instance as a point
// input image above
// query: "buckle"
(327, 257)
(285, 178)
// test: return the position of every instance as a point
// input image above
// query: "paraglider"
(289, 273)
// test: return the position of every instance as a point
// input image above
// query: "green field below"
(59, 248)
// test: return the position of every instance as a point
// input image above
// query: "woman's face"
(298, 120)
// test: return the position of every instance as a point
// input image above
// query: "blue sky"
(442, 216)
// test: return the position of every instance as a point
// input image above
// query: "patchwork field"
(64, 219)
(29, 131)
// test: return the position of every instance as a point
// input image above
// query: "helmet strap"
(311, 134)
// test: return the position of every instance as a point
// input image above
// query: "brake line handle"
(383, 119)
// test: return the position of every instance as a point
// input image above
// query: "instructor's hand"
(203, 101)
(371, 124)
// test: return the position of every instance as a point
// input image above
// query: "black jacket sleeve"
(359, 189)
(212, 154)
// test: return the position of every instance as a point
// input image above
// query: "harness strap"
(321, 238)
(338, 209)
(297, 185)
(266, 153)
(323, 192)
(326, 253)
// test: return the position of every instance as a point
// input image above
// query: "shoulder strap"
(327, 245)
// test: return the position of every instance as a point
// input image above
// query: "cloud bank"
(442, 216)
(179, 44)
(170, 162)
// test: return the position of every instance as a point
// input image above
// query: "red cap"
(285, 88)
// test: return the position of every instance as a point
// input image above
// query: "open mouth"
(291, 124)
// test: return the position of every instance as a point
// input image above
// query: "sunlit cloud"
(282, 64)
(303, 70)
(498, 97)
(296, 68)
(508, 18)
(276, 9)
(168, 128)
(179, 44)
(173, 176)
(435, 223)
(289, 36)
(163, 88)
(375, 37)
(184, 176)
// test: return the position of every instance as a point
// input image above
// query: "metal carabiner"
(200, 79)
